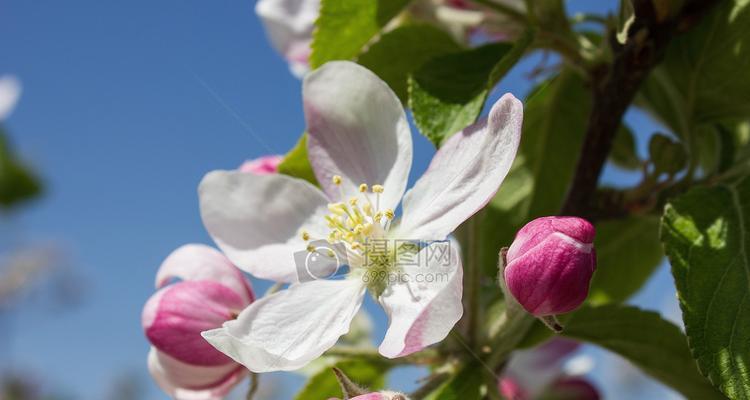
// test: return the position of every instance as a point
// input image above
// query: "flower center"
(361, 226)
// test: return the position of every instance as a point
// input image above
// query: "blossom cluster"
(206, 326)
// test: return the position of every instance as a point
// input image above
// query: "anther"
(389, 214)
(377, 188)
(363, 188)
(305, 236)
(336, 179)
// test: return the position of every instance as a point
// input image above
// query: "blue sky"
(126, 105)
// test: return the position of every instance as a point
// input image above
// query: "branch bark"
(615, 85)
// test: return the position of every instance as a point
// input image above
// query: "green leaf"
(623, 152)
(17, 183)
(705, 234)
(698, 81)
(448, 92)
(666, 155)
(296, 163)
(401, 51)
(628, 252)
(463, 386)
(654, 345)
(324, 384)
(344, 27)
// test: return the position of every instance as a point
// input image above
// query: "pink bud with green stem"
(549, 266)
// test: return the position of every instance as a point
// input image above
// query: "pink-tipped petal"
(290, 328)
(358, 130)
(539, 229)
(200, 262)
(511, 389)
(175, 316)
(187, 382)
(257, 220)
(370, 396)
(265, 165)
(424, 301)
(464, 174)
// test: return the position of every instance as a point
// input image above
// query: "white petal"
(464, 174)
(188, 382)
(10, 91)
(358, 130)
(288, 23)
(424, 302)
(193, 262)
(290, 328)
(256, 220)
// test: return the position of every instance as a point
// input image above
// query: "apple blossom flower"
(549, 371)
(550, 264)
(289, 25)
(211, 290)
(262, 165)
(360, 149)
(10, 91)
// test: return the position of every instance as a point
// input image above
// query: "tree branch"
(615, 85)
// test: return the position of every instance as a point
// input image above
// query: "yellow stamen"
(305, 236)
(338, 209)
(310, 248)
(377, 189)
(353, 201)
(363, 188)
(389, 214)
(336, 179)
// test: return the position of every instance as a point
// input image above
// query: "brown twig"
(615, 85)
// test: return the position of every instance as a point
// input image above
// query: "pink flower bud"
(265, 165)
(550, 264)
(572, 388)
(210, 291)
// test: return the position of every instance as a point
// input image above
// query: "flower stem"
(433, 382)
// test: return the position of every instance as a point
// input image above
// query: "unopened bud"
(572, 388)
(550, 264)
